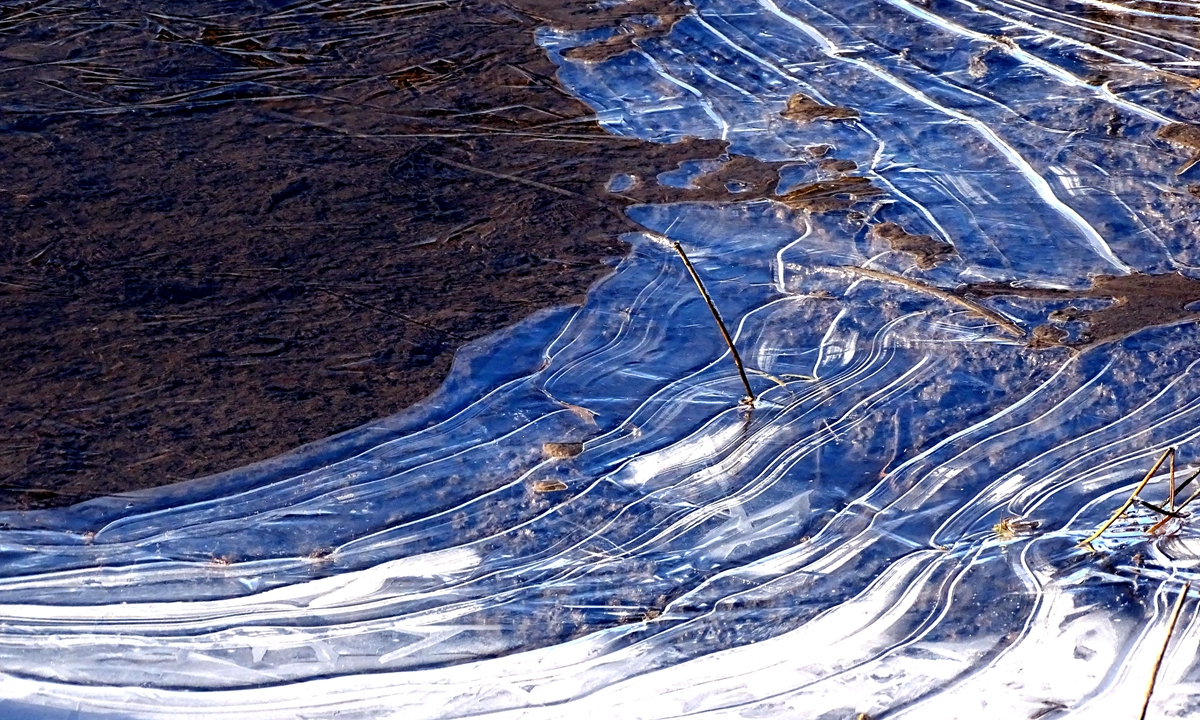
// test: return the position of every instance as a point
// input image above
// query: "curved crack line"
(1035, 180)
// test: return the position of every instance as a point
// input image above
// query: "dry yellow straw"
(1166, 642)
(1172, 505)
(1132, 498)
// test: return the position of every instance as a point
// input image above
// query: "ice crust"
(827, 553)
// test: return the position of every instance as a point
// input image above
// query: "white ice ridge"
(1035, 180)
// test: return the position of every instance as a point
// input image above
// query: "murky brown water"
(234, 228)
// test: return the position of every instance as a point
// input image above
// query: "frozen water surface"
(832, 550)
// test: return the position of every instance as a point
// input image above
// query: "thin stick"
(1163, 652)
(1178, 512)
(1160, 510)
(1132, 498)
(737, 359)
(1190, 498)
(939, 293)
(1187, 482)
(1172, 504)
(1155, 527)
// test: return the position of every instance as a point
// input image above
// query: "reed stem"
(737, 359)
(1133, 497)
(1005, 324)
(1166, 642)
(1178, 510)
(1171, 504)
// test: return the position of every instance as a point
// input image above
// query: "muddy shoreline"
(238, 228)
(242, 227)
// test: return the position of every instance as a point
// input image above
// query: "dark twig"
(1166, 642)
(1178, 510)
(1159, 509)
(1132, 498)
(737, 359)
(1189, 500)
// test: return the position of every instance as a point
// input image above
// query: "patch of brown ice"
(1184, 136)
(926, 250)
(634, 21)
(802, 108)
(1140, 301)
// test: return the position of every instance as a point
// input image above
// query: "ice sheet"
(828, 552)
